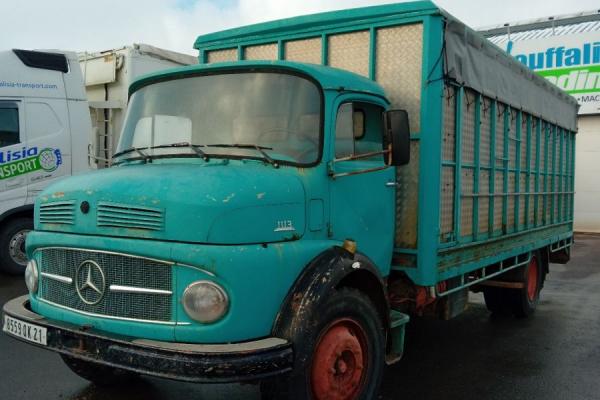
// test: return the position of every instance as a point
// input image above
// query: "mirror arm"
(362, 171)
(364, 155)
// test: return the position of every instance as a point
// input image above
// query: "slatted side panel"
(523, 200)
(485, 162)
(261, 52)
(350, 51)
(398, 66)
(448, 156)
(533, 166)
(305, 50)
(468, 159)
(543, 171)
(511, 169)
(503, 170)
(498, 161)
(215, 56)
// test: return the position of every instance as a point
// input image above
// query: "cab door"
(362, 185)
(48, 132)
(13, 184)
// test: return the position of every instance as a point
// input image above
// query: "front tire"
(100, 375)
(13, 259)
(339, 351)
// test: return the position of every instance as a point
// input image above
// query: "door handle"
(392, 184)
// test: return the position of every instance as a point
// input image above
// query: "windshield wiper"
(131, 150)
(147, 157)
(195, 147)
(260, 149)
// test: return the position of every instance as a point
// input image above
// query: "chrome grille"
(121, 270)
(58, 212)
(127, 216)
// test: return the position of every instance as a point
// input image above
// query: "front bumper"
(214, 363)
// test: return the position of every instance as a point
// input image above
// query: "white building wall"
(587, 175)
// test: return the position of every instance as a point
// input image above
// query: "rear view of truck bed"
(492, 144)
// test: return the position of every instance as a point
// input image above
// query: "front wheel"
(13, 258)
(339, 352)
(100, 375)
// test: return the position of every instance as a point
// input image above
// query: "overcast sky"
(174, 24)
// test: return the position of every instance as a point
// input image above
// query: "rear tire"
(98, 374)
(13, 232)
(496, 300)
(524, 301)
(520, 302)
(339, 353)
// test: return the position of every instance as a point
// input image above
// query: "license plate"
(25, 330)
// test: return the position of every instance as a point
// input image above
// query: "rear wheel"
(340, 354)
(496, 300)
(13, 258)
(525, 300)
(520, 302)
(98, 374)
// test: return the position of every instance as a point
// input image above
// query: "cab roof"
(329, 78)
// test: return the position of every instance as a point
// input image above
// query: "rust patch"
(296, 301)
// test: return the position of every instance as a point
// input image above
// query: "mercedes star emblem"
(90, 282)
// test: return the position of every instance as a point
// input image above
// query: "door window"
(9, 123)
(359, 131)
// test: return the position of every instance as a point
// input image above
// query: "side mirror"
(397, 135)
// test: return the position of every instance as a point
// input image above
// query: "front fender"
(333, 268)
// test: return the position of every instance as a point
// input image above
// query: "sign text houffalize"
(571, 62)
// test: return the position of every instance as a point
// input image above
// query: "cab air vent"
(58, 212)
(128, 216)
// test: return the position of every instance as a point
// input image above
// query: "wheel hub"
(16, 247)
(339, 362)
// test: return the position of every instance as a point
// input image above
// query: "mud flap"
(398, 323)
(561, 256)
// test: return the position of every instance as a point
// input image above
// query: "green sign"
(48, 160)
(575, 80)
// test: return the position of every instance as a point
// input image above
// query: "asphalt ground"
(553, 355)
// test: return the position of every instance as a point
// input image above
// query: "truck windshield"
(230, 115)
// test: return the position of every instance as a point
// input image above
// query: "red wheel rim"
(340, 361)
(532, 279)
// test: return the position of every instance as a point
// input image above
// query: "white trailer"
(107, 75)
(44, 134)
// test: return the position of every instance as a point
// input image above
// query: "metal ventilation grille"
(58, 268)
(126, 216)
(58, 212)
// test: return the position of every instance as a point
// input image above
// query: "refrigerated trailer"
(107, 75)
(283, 207)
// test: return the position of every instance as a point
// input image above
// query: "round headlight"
(31, 276)
(205, 301)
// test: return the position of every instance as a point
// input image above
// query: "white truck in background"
(57, 119)
(44, 133)
(107, 76)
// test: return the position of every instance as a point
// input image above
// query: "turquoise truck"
(276, 213)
